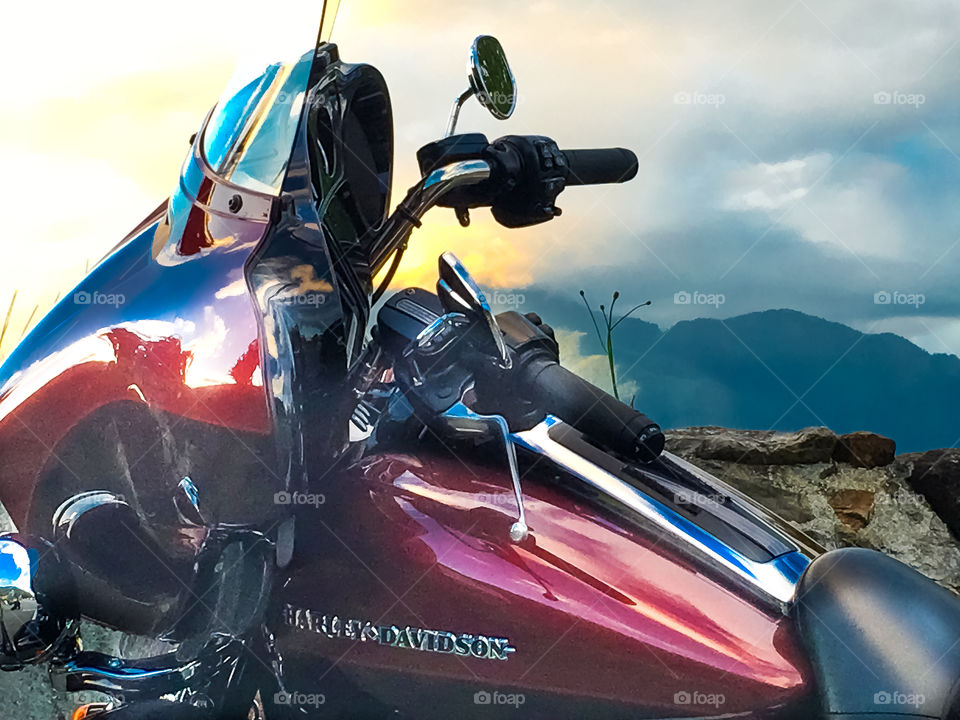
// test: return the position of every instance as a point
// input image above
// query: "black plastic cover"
(404, 316)
(468, 146)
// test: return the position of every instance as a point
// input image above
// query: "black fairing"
(884, 640)
(311, 277)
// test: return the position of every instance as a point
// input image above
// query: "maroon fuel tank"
(409, 593)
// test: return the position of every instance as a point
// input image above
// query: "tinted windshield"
(248, 138)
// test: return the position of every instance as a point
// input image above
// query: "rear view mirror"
(491, 80)
(491, 77)
(459, 292)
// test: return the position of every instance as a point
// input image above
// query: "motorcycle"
(319, 513)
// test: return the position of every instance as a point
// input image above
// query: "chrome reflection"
(18, 604)
(776, 578)
(462, 419)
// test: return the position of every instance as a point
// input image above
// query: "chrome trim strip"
(776, 578)
(253, 205)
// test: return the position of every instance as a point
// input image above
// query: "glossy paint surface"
(596, 607)
(164, 332)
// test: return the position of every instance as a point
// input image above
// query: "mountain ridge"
(781, 369)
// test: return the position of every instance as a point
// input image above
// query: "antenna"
(328, 18)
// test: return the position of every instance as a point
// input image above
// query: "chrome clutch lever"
(464, 421)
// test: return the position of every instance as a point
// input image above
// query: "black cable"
(388, 278)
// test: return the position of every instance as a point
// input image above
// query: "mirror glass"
(456, 281)
(451, 300)
(459, 292)
(491, 77)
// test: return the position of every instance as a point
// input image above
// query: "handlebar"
(591, 410)
(517, 176)
(593, 167)
(419, 199)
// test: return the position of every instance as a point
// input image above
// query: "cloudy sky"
(801, 154)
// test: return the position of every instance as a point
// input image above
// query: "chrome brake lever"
(463, 420)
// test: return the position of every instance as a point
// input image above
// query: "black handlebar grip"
(594, 167)
(592, 411)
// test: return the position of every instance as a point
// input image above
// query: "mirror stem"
(455, 110)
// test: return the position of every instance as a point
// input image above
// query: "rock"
(837, 504)
(936, 476)
(754, 447)
(853, 507)
(865, 449)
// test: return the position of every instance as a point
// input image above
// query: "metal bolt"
(235, 203)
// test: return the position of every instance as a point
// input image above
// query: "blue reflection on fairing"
(248, 139)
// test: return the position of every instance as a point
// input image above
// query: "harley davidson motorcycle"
(321, 512)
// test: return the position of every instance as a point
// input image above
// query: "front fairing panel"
(597, 610)
(165, 323)
(224, 310)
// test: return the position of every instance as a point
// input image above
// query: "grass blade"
(26, 325)
(6, 322)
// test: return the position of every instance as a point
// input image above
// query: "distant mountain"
(782, 370)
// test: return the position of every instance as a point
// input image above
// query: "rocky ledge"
(843, 489)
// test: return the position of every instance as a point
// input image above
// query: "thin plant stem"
(613, 369)
(596, 327)
(629, 313)
(26, 325)
(606, 344)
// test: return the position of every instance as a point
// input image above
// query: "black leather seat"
(883, 639)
